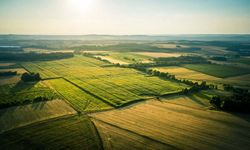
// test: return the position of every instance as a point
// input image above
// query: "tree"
(28, 77)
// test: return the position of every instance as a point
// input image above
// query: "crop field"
(79, 99)
(198, 100)
(61, 133)
(23, 115)
(184, 73)
(174, 126)
(22, 93)
(114, 85)
(169, 45)
(13, 79)
(18, 70)
(130, 57)
(242, 80)
(220, 71)
(9, 80)
(112, 60)
(5, 64)
(121, 57)
(157, 55)
(120, 139)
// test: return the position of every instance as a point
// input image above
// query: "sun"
(81, 5)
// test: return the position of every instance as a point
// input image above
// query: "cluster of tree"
(180, 60)
(104, 60)
(195, 86)
(170, 61)
(8, 73)
(26, 101)
(34, 56)
(219, 58)
(29, 77)
(239, 100)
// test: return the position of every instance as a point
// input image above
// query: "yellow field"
(120, 139)
(23, 115)
(193, 100)
(175, 126)
(6, 64)
(155, 54)
(19, 70)
(183, 73)
(112, 60)
(169, 45)
(9, 80)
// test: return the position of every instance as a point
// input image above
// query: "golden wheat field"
(173, 126)
(156, 54)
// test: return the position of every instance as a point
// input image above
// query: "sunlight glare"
(80, 6)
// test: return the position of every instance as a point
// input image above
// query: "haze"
(124, 17)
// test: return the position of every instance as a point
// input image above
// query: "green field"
(221, 71)
(114, 85)
(66, 133)
(130, 57)
(17, 116)
(23, 93)
(79, 99)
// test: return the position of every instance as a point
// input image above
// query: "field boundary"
(88, 92)
(41, 122)
(127, 130)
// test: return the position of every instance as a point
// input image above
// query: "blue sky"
(124, 16)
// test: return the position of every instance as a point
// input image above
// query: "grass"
(23, 93)
(177, 126)
(221, 71)
(23, 115)
(79, 99)
(116, 86)
(66, 133)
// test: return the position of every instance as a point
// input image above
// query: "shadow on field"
(244, 116)
(38, 105)
(20, 86)
(196, 100)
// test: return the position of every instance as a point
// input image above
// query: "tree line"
(34, 56)
(8, 73)
(239, 100)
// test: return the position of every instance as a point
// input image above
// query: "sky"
(124, 17)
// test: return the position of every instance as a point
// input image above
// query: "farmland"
(161, 95)
(23, 93)
(79, 99)
(174, 126)
(221, 71)
(123, 85)
(184, 73)
(61, 133)
(21, 115)
(156, 55)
